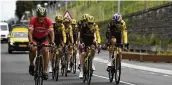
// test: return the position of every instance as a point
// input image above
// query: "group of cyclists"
(77, 35)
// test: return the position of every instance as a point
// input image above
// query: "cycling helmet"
(85, 16)
(66, 19)
(74, 21)
(117, 17)
(59, 18)
(41, 12)
(90, 19)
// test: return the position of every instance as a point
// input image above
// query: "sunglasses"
(66, 22)
(90, 23)
(59, 22)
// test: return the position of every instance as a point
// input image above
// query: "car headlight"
(11, 42)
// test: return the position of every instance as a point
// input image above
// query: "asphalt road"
(14, 71)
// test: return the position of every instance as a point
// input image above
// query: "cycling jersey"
(60, 35)
(81, 24)
(69, 34)
(118, 30)
(97, 33)
(87, 34)
(40, 30)
(75, 33)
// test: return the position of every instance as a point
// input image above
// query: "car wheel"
(9, 51)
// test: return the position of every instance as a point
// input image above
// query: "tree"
(22, 6)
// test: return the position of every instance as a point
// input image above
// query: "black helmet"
(41, 12)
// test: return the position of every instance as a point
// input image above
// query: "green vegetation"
(148, 40)
(22, 6)
(107, 8)
(103, 11)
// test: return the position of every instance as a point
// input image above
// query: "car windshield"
(3, 27)
(20, 34)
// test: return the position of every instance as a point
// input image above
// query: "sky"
(7, 9)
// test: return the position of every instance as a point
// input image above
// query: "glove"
(52, 43)
(31, 44)
(99, 48)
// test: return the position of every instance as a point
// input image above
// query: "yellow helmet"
(85, 16)
(66, 19)
(90, 19)
(59, 18)
(74, 21)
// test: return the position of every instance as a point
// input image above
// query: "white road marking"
(153, 73)
(114, 79)
(166, 75)
(108, 79)
(157, 70)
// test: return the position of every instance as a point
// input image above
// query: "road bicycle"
(38, 72)
(55, 61)
(115, 67)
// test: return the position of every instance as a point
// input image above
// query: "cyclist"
(75, 34)
(39, 29)
(60, 35)
(116, 28)
(89, 37)
(69, 37)
(81, 25)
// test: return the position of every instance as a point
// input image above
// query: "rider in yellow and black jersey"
(59, 31)
(89, 36)
(116, 32)
(69, 37)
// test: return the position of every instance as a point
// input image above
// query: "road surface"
(14, 71)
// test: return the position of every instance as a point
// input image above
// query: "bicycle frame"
(116, 64)
(88, 71)
(39, 64)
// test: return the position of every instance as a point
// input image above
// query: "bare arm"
(51, 33)
(30, 35)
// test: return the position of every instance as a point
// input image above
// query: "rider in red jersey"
(40, 29)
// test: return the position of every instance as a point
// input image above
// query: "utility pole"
(66, 4)
(145, 5)
(118, 6)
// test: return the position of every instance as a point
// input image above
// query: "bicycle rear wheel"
(111, 74)
(118, 69)
(39, 71)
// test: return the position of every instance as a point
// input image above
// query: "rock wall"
(157, 20)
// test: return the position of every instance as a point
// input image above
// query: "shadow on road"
(98, 83)
(15, 53)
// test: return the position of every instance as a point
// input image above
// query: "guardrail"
(149, 49)
(146, 57)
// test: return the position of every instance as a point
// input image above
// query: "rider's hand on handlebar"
(99, 48)
(52, 43)
(31, 44)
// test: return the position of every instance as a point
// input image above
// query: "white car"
(4, 31)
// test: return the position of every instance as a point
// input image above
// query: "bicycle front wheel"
(57, 68)
(90, 70)
(111, 71)
(66, 65)
(118, 69)
(38, 71)
(74, 64)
